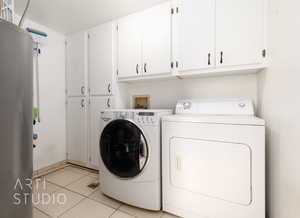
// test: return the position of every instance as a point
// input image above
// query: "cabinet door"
(156, 39)
(101, 66)
(239, 32)
(195, 34)
(129, 46)
(76, 64)
(97, 104)
(76, 131)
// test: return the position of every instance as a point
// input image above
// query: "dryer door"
(124, 149)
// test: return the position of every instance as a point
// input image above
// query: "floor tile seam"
(43, 212)
(126, 211)
(105, 204)
(68, 183)
(63, 213)
(80, 179)
(68, 189)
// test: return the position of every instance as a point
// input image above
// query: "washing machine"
(130, 156)
(213, 160)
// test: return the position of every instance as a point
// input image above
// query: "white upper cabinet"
(144, 41)
(239, 32)
(129, 46)
(194, 34)
(156, 40)
(101, 59)
(175, 38)
(215, 36)
(76, 64)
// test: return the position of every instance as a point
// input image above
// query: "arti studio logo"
(36, 191)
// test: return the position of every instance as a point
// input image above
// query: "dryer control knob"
(242, 105)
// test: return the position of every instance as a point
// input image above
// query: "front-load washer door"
(124, 149)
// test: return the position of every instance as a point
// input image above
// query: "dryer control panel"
(216, 107)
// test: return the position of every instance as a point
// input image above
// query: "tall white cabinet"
(101, 51)
(91, 70)
(77, 65)
(76, 98)
(77, 130)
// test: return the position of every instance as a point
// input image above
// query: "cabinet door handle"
(108, 103)
(209, 57)
(82, 103)
(145, 67)
(109, 88)
(82, 90)
(137, 69)
(221, 60)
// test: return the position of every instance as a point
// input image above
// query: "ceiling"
(68, 16)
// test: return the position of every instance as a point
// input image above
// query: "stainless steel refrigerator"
(16, 96)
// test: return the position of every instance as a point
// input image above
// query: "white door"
(101, 66)
(195, 34)
(239, 32)
(97, 104)
(129, 46)
(76, 64)
(76, 130)
(156, 38)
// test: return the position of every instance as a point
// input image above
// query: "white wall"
(51, 146)
(279, 105)
(164, 94)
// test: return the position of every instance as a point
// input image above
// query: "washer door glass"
(124, 149)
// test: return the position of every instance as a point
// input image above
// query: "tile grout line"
(77, 192)
(43, 212)
(115, 211)
(127, 212)
(105, 204)
(65, 188)
(71, 207)
(112, 214)
(118, 210)
(83, 168)
(84, 197)
(68, 183)
(81, 179)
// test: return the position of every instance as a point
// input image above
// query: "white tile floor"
(70, 184)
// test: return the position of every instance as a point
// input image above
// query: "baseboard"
(49, 169)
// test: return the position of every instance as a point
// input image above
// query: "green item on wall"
(35, 114)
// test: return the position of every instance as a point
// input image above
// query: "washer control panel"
(124, 115)
(146, 118)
